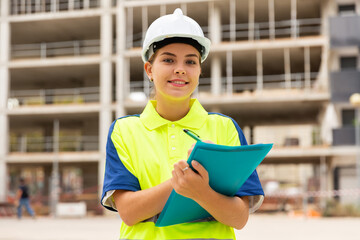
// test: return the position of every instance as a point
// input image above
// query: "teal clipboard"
(228, 167)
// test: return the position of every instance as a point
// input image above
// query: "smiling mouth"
(178, 82)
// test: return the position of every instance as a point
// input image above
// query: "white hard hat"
(174, 25)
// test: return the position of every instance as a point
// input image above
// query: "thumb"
(201, 170)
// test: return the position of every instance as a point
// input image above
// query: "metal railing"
(277, 81)
(21, 7)
(246, 83)
(86, 47)
(262, 30)
(281, 29)
(55, 49)
(53, 96)
(46, 143)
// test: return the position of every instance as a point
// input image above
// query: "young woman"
(146, 153)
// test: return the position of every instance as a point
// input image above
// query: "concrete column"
(259, 69)
(232, 20)
(323, 76)
(323, 180)
(251, 19)
(183, 7)
(121, 68)
(37, 5)
(4, 91)
(293, 19)
(145, 22)
(86, 4)
(105, 118)
(215, 37)
(287, 68)
(214, 23)
(54, 7)
(129, 27)
(162, 9)
(215, 75)
(307, 68)
(271, 19)
(229, 73)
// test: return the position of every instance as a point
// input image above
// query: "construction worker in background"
(146, 153)
(23, 199)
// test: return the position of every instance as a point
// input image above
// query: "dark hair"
(167, 41)
(157, 45)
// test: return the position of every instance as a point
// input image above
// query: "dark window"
(347, 9)
(348, 117)
(348, 63)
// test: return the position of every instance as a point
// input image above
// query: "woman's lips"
(178, 83)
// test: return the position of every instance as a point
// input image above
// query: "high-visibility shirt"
(140, 154)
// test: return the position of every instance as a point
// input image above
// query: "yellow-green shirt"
(141, 152)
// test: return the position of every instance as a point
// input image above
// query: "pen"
(192, 134)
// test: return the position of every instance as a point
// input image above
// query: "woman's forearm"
(134, 207)
(231, 211)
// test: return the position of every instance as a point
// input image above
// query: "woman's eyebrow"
(168, 53)
(173, 55)
(192, 55)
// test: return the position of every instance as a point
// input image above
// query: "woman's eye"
(168, 60)
(190, 62)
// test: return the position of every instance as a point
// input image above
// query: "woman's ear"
(148, 69)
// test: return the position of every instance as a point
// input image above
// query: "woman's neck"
(173, 110)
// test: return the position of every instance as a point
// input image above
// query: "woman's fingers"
(200, 169)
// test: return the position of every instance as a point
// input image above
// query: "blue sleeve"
(252, 186)
(116, 174)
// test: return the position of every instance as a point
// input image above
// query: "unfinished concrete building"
(68, 68)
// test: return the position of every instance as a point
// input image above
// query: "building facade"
(344, 81)
(68, 68)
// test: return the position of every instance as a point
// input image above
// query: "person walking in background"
(23, 199)
(145, 155)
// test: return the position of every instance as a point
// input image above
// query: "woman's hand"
(231, 211)
(188, 183)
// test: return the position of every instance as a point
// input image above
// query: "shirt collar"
(194, 119)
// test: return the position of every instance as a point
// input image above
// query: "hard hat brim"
(203, 41)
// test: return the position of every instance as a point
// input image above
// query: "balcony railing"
(281, 29)
(20, 7)
(55, 49)
(343, 84)
(260, 30)
(53, 96)
(276, 81)
(245, 83)
(344, 136)
(46, 144)
(344, 31)
(289, 136)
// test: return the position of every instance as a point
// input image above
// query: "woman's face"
(175, 71)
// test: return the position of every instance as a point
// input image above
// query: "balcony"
(42, 6)
(344, 31)
(53, 96)
(343, 84)
(27, 143)
(258, 31)
(344, 136)
(56, 49)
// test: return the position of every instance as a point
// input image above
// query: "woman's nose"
(180, 71)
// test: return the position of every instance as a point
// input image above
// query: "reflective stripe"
(185, 239)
